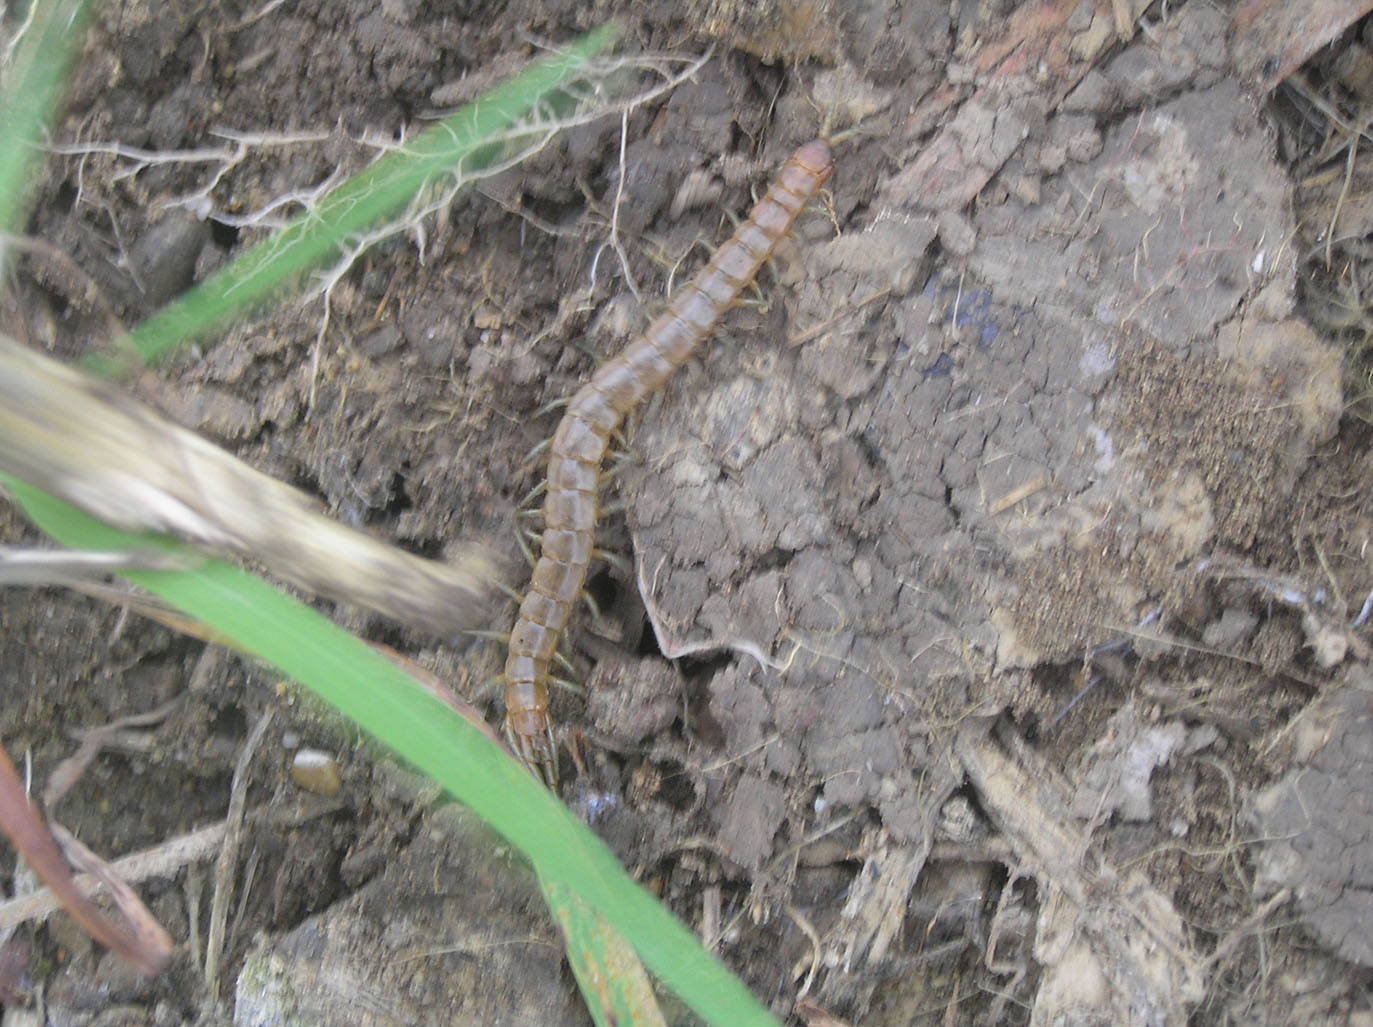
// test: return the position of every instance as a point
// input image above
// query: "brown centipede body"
(583, 435)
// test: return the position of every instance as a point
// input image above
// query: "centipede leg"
(615, 561)
(526, 503)
(511, 593)
(593, 607)
(614, 507)
(536, 452)
(522, 538)
(568, 685)
(550, 406)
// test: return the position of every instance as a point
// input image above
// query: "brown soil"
(980, 641)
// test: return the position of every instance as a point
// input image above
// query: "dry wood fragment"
(1095, 921)
(1273, 38)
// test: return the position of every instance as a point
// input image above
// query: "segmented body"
(580, 442)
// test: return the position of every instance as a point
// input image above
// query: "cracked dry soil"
(977, 647)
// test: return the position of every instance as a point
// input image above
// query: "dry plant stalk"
(99, 449)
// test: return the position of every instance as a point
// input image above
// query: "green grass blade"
(32, 87)
(614, 986)
(467, 140)
(396, 710)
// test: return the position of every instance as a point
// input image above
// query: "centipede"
(583, 435)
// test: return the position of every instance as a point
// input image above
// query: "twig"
(151, 935)
(824, 326)
(162, 860)
(1244, 929)
(69, 771)
(1350, 158)
(816, 957)
(30, 836)
(38, 567)
(228, 854)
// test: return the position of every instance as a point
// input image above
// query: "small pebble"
(317, 772)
